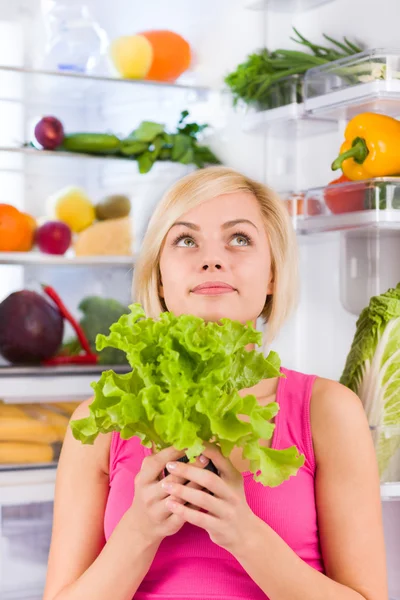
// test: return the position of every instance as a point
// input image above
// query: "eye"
(184, 241)
(241, 239)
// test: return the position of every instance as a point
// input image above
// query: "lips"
(213, 288)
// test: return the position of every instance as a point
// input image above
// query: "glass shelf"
(37, 258)
(50, 384)
(368, 81)
(289, 6)
(286, 121)
(84, 80)
(358, 204)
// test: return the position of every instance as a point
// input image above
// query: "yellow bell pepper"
(371, 148)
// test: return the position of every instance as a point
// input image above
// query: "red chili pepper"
(67, 315)
(80, 359)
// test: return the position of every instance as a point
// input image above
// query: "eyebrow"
(226, 225)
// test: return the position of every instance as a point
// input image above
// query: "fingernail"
(203, 459)
(171, 466)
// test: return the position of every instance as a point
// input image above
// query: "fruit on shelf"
(342, 196)
(49, 133)
(297, 205)
(54, 237)
(158, 55)
(29, 241)
(108, 238)
(72, 206)
(113, 207)
(16, 231)
(31, 329)
(171, 55)
(132, 56)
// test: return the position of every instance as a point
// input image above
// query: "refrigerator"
(345, 257)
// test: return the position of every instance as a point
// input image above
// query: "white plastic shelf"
(286, 121)
(358, 204)
(26, 485)
(365, 82)
(50, 384)
(289, 6)
(40, 259)
(390, 491)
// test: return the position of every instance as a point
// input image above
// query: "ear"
(270, 288)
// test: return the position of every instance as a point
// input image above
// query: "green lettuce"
(183, 390)
(372, 371)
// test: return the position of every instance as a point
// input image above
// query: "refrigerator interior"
(342, 263)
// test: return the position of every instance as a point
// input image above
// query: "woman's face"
(216, 260)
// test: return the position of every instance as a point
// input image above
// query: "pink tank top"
(188, 565)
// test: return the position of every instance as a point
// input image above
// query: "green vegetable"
(183, 390)
(150, 142)
(98, 316)
(372, 368)
(257, 81)
(91, 143)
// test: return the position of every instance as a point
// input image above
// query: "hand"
(149, 515)
(229, 520)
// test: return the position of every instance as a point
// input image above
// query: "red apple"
(49, 132)
(54, 237)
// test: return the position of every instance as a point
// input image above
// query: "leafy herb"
(183, 390)
(150, 142)
(253, 80)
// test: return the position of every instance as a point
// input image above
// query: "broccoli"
(98, 316)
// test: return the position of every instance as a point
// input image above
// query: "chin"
(215, 311)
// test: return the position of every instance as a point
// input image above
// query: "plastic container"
(368, 81)
(353, 204)
(387, 446)
(282, 112)
(367, 267)
(76, 43)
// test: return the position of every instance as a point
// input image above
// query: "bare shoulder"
(99, 452)
(337, 414)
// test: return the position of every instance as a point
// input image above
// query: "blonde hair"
(191, 191)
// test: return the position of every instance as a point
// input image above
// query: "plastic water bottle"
(76, 43)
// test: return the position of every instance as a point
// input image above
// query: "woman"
(221, 245)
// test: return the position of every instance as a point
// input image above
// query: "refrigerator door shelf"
(365, 82)
(50, 384)
(286, 121)
(345, 206)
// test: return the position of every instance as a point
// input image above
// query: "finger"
(196, 497)
(202, 477)
(195, 517)
(153, 465)
(223, 464)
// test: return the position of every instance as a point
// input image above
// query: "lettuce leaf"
(372, 370)
(183, 390)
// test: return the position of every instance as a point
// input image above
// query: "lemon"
(132, 56)
(72, 206)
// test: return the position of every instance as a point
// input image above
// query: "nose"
(211, 265)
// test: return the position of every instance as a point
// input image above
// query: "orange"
(29, 240)
(171, 55)
(15, 229)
